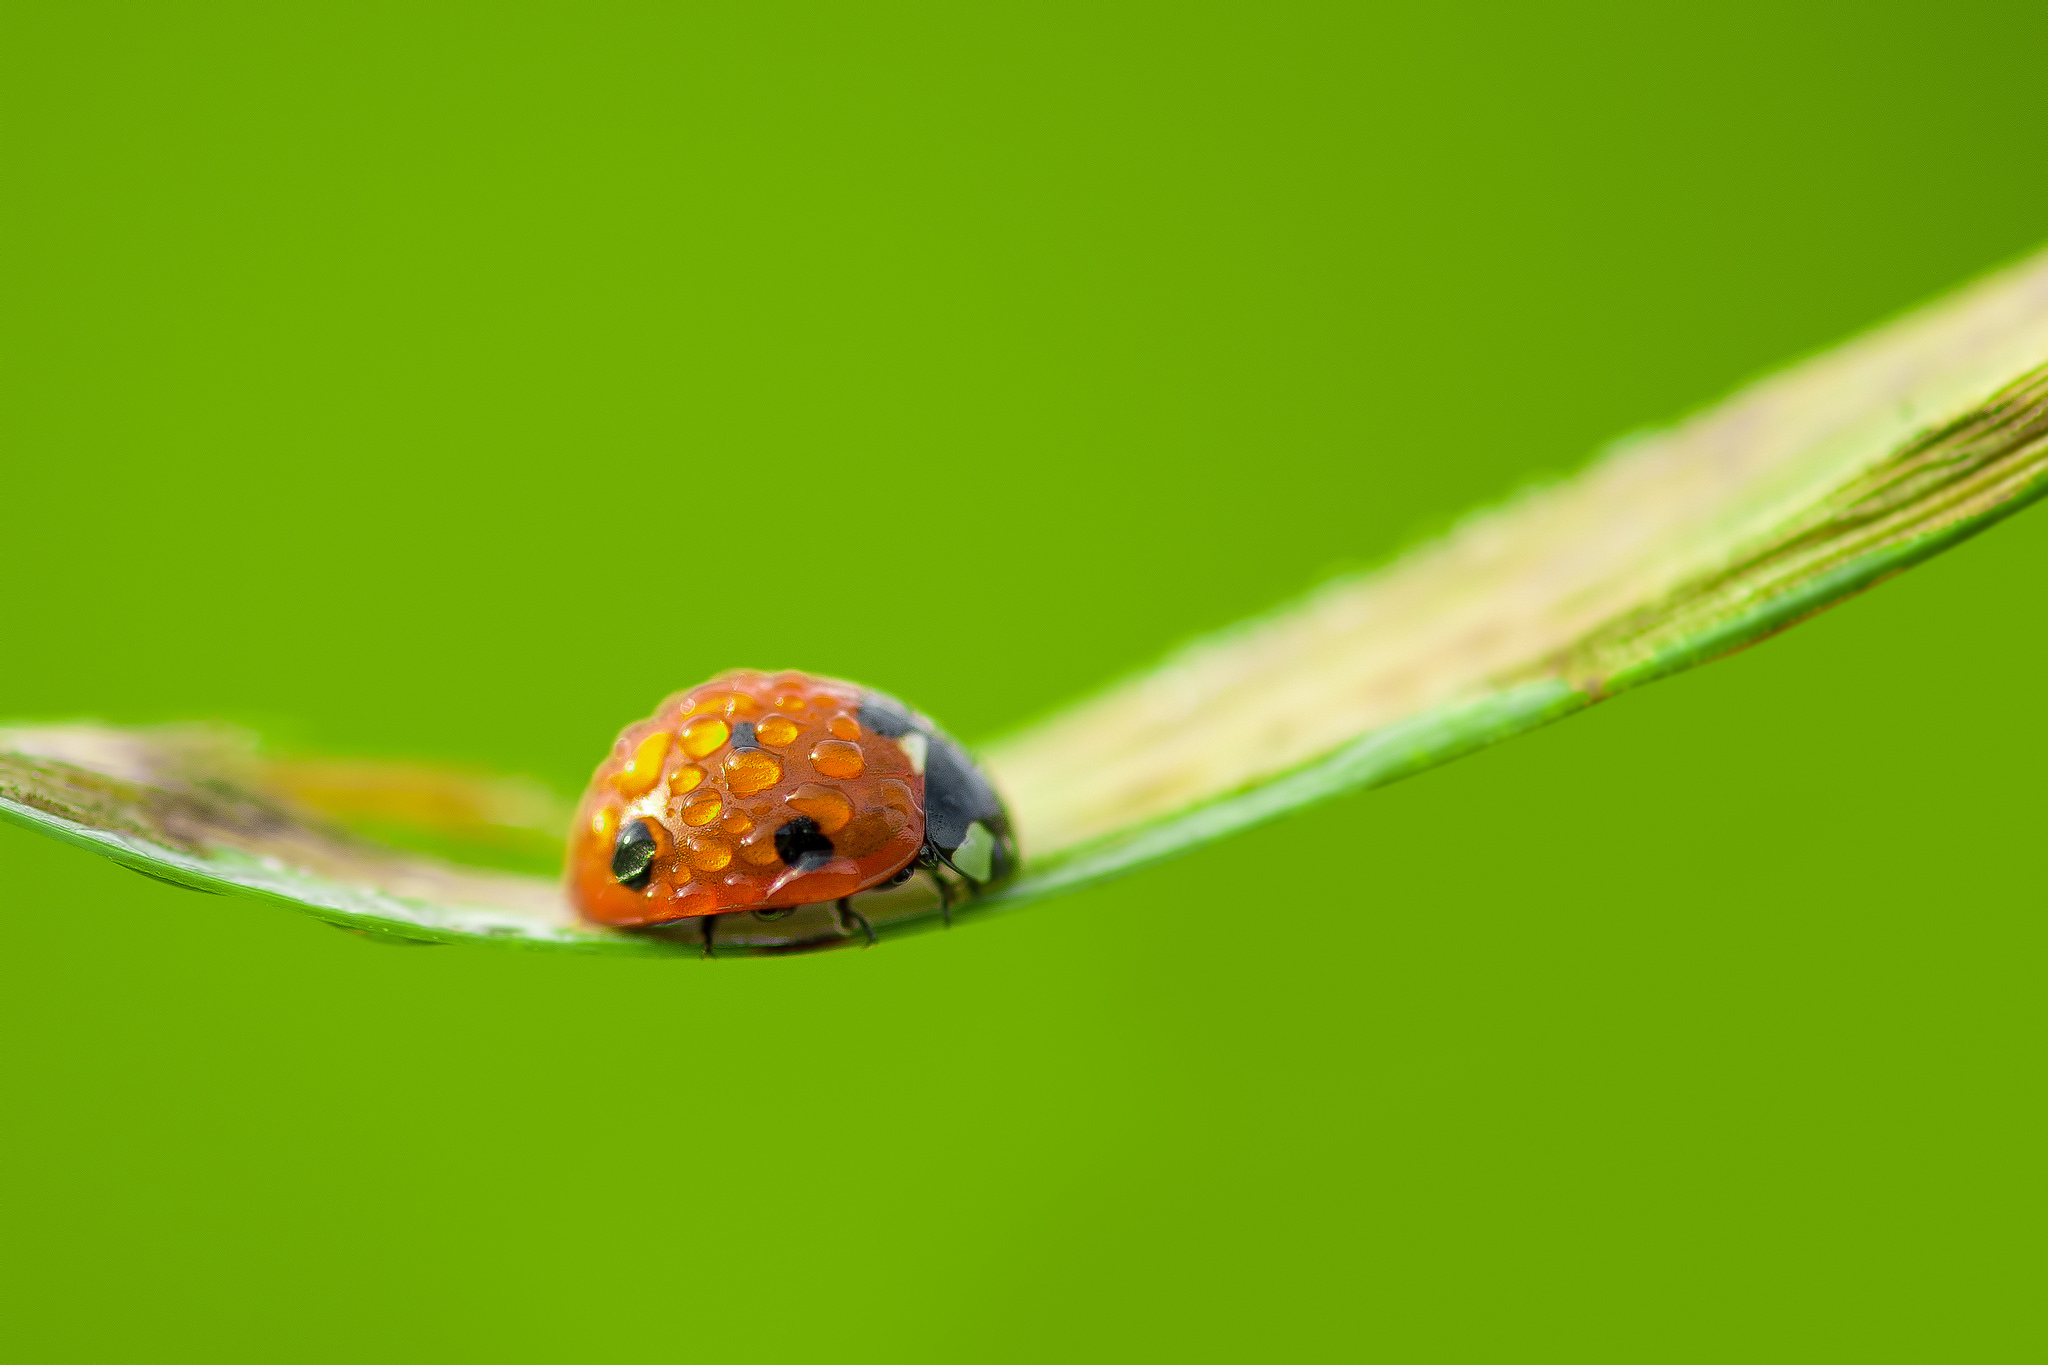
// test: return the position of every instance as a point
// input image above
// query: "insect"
(760, 793)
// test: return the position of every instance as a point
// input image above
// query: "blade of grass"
(1677, 547)
(1673, 549)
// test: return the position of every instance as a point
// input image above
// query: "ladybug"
(758, 793)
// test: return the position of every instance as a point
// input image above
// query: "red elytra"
(754, 791)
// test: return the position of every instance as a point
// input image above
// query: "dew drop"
(702, 809)
(837, 758)
(725, 704)
(758, 849)
(643, 770)
(707, 852)
(828, 806)
(691, 899)
(777, 731)
(704, 734)
(749, 770)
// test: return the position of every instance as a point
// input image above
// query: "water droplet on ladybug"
(643, 770)
(707, 852)
(702, 809)
(749, 770)
(837, 758)
(777, 731)
(827, 805)
(703, 735)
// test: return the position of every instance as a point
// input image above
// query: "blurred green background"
(456, 381)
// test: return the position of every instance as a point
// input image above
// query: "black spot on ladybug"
(633, 855)
(884, 716)
(802, 844)
(743, 735)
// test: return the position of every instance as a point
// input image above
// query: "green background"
(456, 382)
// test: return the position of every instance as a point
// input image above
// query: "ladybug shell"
(755, 791)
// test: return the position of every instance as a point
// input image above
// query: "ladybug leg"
(945, 893)
(930, 858)
(847, 912)
(709, 920)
